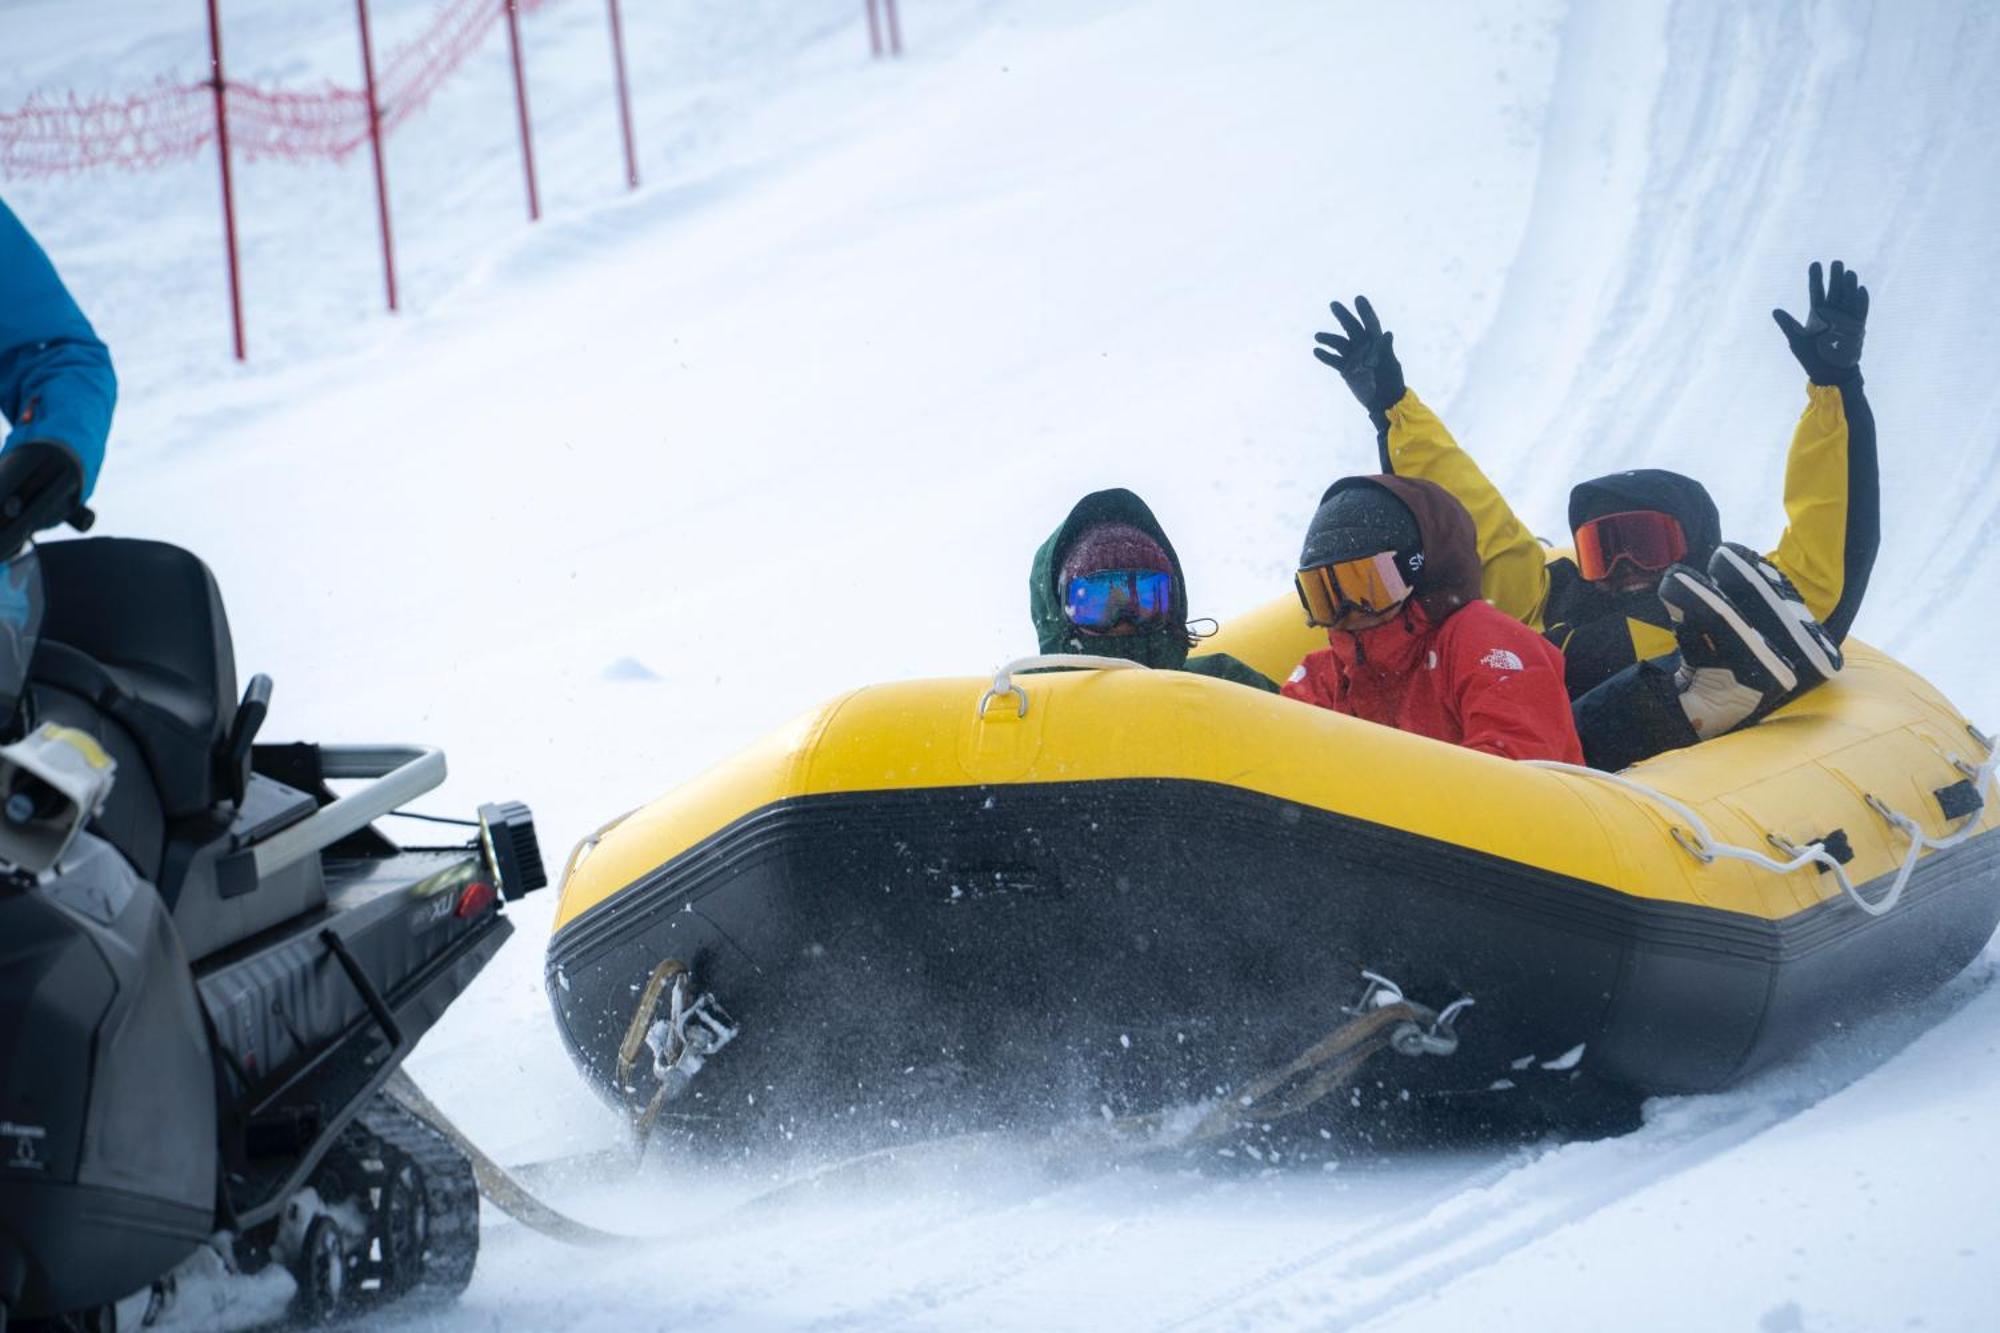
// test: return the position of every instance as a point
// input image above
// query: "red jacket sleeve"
(1507, 682)
(1317, 681)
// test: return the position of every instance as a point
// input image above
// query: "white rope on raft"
(1704, 847)
(1696, 838)
(1003, 679)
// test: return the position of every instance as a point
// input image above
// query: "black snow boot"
(1729, 673)
(1769, 602)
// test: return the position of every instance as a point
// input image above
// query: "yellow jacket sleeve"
(1515, 575)
(1832, 506)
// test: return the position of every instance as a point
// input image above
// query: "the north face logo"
(1500, 659)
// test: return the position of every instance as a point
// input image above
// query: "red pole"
(521, 103)
(874, 31)
(624, 98)
(228, 186)
(895, 28)
(375, 142)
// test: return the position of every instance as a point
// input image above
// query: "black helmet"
(1358, 518)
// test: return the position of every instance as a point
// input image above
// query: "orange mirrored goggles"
(1643, 538)
(1368, 586)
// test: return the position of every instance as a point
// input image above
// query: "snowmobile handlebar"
(400, 774)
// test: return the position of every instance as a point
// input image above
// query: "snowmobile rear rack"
(401, 773)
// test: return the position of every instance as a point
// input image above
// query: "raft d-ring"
(1003, 679)
(1693, 846)
(1000, 691)
(1895, 819)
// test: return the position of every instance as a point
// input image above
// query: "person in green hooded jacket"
(1107, 583)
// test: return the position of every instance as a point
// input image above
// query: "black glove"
(40, 486)
(1365, 357)
(1828, 344)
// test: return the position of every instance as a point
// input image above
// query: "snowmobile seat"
(150, 618)
(67, 685)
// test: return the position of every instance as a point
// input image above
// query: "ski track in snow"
(874, 310)
(1402, 1267)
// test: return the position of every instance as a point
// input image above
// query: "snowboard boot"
(1773, 606)
(1729, 673)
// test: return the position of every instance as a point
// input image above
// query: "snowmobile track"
(451, 1200)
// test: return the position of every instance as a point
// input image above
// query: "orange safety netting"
(50, 135)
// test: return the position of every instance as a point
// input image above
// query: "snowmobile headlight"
(53, 781)
(507, 837)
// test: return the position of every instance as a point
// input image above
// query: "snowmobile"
(211, 963)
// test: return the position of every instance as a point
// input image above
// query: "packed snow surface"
(620, 491)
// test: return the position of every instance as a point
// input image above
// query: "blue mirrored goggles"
(1096, 602)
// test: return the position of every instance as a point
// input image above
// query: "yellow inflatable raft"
(1124, 888)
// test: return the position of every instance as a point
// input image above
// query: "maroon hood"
(1450, 577)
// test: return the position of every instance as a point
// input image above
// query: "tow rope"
(692, 1030)
(1383, 1019)
(497, 1184)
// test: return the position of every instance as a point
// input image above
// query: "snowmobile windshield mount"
(21, 604)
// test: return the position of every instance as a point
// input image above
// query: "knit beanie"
(1112, 546)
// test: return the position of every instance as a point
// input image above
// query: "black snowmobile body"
(201, 1000)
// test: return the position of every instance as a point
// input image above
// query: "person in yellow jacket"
(1643, 630)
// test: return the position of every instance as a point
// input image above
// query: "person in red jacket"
(1391, 570)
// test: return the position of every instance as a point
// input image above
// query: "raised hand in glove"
(1828, 344)
(1364, 355)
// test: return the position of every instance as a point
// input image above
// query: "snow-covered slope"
(623, 490)
(1694, 157)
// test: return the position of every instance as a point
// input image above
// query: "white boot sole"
(1775, 666)
(1786, 612)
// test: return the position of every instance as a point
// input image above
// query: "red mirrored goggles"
(1368, 586)
(1645, 538)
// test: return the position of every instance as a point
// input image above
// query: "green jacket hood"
(1166, 647)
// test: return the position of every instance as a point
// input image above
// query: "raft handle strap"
(1699, 843)
(1003, 679)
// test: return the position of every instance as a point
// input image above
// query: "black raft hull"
(927, 960)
